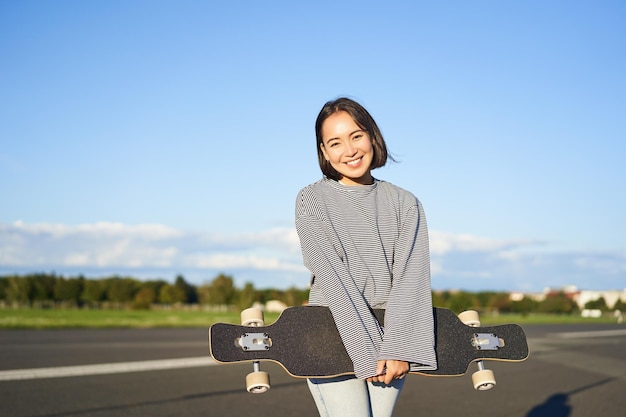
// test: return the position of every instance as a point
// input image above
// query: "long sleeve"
(409, 318)
(357, 326)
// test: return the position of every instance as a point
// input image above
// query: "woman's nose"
(350, 148)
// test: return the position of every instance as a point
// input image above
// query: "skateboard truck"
(254, 341)
(487, 341)
(257, 382)
(483, 379)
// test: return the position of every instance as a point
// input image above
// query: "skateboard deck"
(306, 343)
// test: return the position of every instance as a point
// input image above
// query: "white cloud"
(273, 256)
(475, 262)
(239, 261)
(443, 242)
(110, 245)
(610, 263)
(100, 229)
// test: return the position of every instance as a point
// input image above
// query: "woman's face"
(347, 148)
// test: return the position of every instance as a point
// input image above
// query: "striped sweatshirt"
(367, 247)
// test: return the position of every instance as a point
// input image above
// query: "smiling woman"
(348, 149)
(365, 242)
(349, 142)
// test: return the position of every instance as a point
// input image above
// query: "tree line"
(501, 302)
(51, 290)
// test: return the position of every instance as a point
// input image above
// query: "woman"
(365, 242)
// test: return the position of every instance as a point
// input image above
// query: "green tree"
(247, 296)
(19, 290)
(557, 304)
(222, 290)
(484, 298)
(93, 291)
(295, 296)
(170, 294)
(43, 286)
(191, 294)
(203, 292)
(524, 306)
(441, 298)
(4, 283)
(461, 301)
(599, 304)
(68, 290)
(155, 285)
(500, 302)
(144, 298)
(120, 290)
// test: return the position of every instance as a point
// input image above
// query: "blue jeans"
(351, 397)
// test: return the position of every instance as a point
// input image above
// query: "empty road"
(573, 371)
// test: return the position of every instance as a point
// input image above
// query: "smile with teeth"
(355, 162)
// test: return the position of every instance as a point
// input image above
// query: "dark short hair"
(364, 120)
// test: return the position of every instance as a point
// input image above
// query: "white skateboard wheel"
(252, 317)
(483, 380)
(258, 382)
(470, 318)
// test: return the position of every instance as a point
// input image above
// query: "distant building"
(610, 296)
(517, 296)
(582, 297)
(275, 306)
(272, 306)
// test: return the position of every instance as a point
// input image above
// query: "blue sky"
(152, 138)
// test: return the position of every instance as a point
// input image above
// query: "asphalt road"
(573, 371)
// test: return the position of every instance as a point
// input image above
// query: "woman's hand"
(388, 370)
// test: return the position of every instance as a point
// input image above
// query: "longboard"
(306, 343)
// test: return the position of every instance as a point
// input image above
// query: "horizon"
(566, 289)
